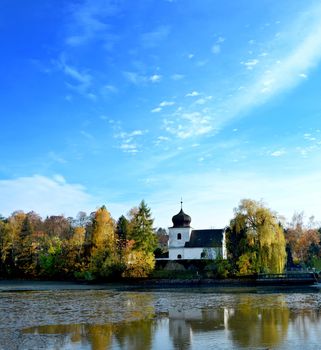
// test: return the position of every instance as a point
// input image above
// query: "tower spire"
(181, 203)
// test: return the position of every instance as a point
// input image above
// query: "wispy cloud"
(282, 69)
(56, 157)
(135, 78)
(138, 79)
(161, 139)
(89, 20)
(216, 49)
(187, 125)
(79, 80)
(278, 153)
(108, 89)
(192, 94)
(155, 37)
(203, 100)
(177, 76)
(156, 110)
(162, 105)
(155, 78)
(166, 103)
(250, 64)
(129, 142)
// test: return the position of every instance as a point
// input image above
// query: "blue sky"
(111, 102)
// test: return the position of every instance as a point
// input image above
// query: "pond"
(72, 316)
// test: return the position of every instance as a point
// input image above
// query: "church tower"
(179, 234)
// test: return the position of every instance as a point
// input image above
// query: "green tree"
(142, 229)
(139, 252)
(255, 239)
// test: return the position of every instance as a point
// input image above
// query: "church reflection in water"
(248, 325)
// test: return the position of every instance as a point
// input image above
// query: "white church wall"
(174, 233)
(176, 253)
(194, 253)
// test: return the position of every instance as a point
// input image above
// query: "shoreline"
(11, 285)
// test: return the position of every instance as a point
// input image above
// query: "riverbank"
(139, 284)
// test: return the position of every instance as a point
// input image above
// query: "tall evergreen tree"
(122, 228)
(142, 232)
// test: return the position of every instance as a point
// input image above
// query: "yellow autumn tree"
(104, 259)
(255, 239)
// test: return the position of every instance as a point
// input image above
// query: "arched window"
(179, 236)
(179, 256)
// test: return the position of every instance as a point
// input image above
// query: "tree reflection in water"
(252, 325)
(250, 321)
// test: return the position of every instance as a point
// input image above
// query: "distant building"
(186, 243)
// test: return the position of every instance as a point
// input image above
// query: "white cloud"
(162, 105)
(250, 63)
(277, 153)
(189, 125)
(136, 133)
(193, 94)
(44, 195)
(155, 78)
(166, 103)
(303, 75)
(129, 147)
(128, 142)
(156, 110)
(161, 139)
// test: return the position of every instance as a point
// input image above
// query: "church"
(186, 243)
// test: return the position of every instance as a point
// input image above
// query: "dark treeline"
(87, 247)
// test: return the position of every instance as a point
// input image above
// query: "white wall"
(194, 253)
(174, 231)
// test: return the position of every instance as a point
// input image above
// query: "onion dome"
(181, 219)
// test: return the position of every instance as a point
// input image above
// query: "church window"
(179, 236)
(179, 256)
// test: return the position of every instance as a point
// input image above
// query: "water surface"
(71, 316)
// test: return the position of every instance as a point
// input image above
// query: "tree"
(142, 232)
(122, 228)
(303, 240)
(103, 230)
(58, 226)
(104, 259)
(255, 239)
(141, 243)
